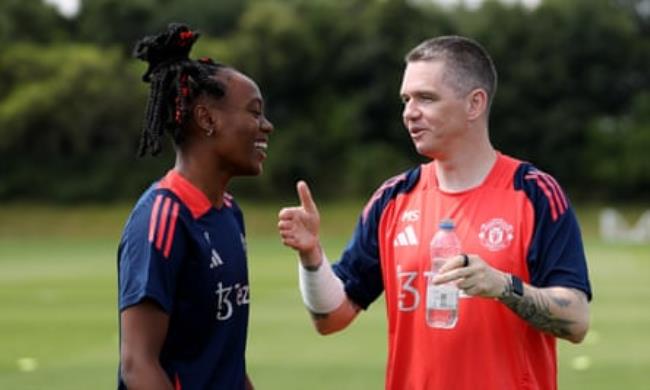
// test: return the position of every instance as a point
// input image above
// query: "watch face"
(517, 286)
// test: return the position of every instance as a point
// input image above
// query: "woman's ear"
(206, 118)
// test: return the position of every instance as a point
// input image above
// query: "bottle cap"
(446, 224)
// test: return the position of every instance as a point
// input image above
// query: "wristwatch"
(517, 286)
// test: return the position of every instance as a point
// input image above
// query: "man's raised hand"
(299, 226)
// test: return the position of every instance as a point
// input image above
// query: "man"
(524, 279)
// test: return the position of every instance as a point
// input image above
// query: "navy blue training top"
(190, 258)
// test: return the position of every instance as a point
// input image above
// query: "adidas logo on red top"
(406, 237)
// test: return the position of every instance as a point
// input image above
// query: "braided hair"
(176, 81)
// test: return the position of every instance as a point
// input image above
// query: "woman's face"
(242, 138)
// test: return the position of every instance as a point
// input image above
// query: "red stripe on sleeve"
(561, 194)
(163, 223)
(557, 193)
(227, 199)
(177, 383)
(388, 183)
(546, 192)
(154, 217)
(170, 232)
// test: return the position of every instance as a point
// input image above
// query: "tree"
(116, 22)
(69, 122)
(31, 21)
(331, 73)
(560, 66)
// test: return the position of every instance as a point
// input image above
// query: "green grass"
(58, 322)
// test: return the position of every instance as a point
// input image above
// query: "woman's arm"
(143, 331)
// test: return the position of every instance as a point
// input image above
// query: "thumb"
(306, 201)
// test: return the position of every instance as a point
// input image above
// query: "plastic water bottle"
(442, 300)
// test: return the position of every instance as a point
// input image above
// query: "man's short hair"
(467, 64)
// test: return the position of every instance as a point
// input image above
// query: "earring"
(209, 131)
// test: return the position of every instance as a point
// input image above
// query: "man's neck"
(463, 171)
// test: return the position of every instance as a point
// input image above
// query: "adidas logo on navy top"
(215, 260)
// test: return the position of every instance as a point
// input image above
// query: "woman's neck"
(205, 177)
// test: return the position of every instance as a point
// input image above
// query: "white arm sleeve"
(322, 291)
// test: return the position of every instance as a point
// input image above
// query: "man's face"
(434, 113)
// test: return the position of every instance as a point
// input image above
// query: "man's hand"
(299, 226)
(560, 311)
(476, 278)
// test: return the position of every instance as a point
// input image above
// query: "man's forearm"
(562, 312)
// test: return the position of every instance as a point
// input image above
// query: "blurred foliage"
(562, 66)
(31, 21)
(573, 95)
(122, 23)
(69, 120)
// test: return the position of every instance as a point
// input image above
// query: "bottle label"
(442, 297)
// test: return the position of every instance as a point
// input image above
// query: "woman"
(183, 278)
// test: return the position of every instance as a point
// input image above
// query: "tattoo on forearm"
(562, 302)
(535, 310)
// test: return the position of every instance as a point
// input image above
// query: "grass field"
(58, 322)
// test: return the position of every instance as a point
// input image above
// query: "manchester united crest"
(496, 234)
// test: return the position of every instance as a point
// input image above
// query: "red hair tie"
(179, 113)
(185, 92)
(185, 36)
